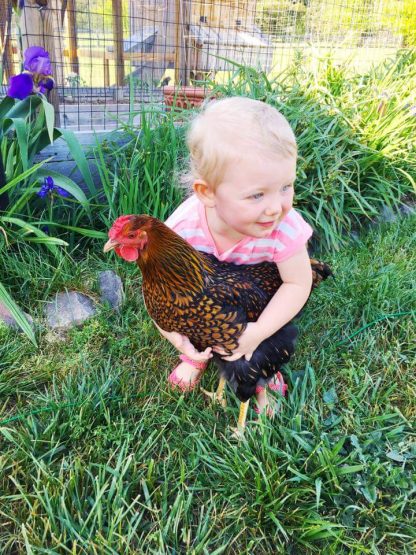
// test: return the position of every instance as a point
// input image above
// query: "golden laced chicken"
(208, 301)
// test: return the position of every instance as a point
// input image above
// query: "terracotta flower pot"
(184, 97)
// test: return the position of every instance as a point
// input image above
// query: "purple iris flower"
(36, 75)
(20, 86)
(37, 60)
(46, 85)
(49, 187)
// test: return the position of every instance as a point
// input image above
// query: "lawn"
(97, 456)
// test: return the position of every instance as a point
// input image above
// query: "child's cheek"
(287, 205)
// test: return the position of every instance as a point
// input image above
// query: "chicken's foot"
(218, 396)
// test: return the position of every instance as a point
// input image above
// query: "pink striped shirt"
(190, 222)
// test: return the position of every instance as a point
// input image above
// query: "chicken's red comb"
(118, 226)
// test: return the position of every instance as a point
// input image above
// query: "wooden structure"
(141, 38)
(6, 49)
(224, 14)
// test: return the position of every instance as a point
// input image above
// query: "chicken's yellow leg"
(241, 424)
(242, 416)
(218, 396)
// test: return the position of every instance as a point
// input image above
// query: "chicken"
(206, 300)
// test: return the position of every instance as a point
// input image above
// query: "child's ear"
(204, 192)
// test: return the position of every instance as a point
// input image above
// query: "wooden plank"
(118, 40)
(182, 57)
(142, 57)
(6, 49)
(72, 30)
(178, 49)
(136, 56)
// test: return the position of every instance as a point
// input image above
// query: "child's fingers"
(190, 351)
(205, 355)
(231, 358)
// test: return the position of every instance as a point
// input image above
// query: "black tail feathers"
(320, 271)
(266, 361)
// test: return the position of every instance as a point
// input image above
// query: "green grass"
(107, 460)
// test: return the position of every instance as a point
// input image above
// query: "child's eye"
(256, 196)
(286, 188)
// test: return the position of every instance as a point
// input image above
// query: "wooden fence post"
(182, 22)
(118, 41)
(72, 30)
(6, 50)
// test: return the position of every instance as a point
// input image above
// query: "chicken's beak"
(110, 245)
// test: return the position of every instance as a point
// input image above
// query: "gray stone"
(111, 288)
(387, 215)
(69, 309)
(407, 209)
(7, 318)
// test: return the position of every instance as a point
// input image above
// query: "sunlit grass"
(359, 59)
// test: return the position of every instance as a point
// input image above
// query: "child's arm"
(296, 274)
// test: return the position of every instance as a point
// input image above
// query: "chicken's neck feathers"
(169, 261)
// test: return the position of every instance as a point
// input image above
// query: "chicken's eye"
(131, 235)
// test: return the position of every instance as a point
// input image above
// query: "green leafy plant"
(26, 127)
(140, 175)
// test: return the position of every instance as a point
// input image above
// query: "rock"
(7, 318)
(69, 309)
(407, 209)
(111, 288)
(387, 215)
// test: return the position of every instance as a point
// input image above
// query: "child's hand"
(184, 346)
(247, 344)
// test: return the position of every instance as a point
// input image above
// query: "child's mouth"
(266, 224)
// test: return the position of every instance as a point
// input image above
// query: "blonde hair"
(230, 129)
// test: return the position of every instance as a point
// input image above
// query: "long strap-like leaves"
(17, 314)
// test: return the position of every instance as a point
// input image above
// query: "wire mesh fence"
(110, 57)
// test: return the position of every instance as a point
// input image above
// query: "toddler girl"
(243, 167)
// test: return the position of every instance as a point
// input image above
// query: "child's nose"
(273, 210)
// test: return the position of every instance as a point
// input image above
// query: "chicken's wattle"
(127, 253)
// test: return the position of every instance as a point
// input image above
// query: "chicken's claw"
(218, 396)
(215, 398)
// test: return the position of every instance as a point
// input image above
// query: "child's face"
(254, 196)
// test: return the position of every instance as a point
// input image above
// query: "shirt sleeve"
(292, 234)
